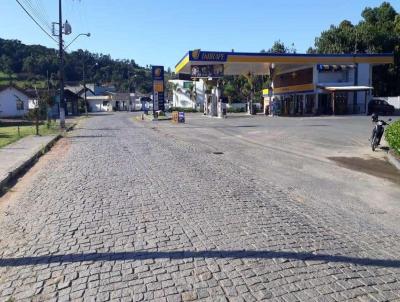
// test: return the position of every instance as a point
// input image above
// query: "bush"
(182, 109)
(393, 136)
(236, 110)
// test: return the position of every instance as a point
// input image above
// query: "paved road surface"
(128, 211)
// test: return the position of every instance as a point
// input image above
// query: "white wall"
(181, 97)
(97, 106)
(345, 77)
(8, 103)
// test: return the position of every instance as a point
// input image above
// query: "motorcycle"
(378, 131)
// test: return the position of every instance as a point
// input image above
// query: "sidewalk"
(15, 157)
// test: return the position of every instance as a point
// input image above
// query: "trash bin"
(254, 109)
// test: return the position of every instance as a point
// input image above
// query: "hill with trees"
(30, 65)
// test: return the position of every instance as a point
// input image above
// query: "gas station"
(302, 84)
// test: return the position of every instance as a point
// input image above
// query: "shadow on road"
(241, 254)
(372, 166)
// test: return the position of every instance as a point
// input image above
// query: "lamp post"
(87, 35)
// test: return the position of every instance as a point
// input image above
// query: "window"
(105, 103)
(20, 104)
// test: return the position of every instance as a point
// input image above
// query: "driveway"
(210, 210)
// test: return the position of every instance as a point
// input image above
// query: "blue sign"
(157, 73)
(198, 55)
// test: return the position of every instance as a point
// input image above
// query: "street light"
(87, 35)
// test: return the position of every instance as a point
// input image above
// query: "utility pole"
(84, 87)
(61, 50)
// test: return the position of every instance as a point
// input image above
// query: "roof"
(98, 97)
(345, 88)
(78, 89)
(236, 63)
(27, 93)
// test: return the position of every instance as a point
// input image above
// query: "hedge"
(182, 109)
(393, 136)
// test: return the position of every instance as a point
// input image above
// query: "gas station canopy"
(198, 63)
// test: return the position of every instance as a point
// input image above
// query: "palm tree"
(192, 92)
(249, 90)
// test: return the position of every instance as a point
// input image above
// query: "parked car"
(380, 106)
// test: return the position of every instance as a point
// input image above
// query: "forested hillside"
(29, 65)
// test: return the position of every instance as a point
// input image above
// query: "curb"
(393, 159)
(23, 167)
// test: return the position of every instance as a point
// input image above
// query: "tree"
(6, 66)
(377, 32)
(280, 47)
(192, 92)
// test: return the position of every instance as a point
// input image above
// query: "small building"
(99, 103)
(14, 101)
(80, 90)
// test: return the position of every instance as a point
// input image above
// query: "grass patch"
(9, 134)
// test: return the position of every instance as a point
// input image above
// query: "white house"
(14, 101)
(181, 94)
(99, 103)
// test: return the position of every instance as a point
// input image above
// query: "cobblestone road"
(129, 213)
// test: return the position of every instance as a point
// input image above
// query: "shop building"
(323, 89)
(302, 84)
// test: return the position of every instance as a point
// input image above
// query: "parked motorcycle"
(378, 131)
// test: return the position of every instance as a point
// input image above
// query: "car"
(380, 106)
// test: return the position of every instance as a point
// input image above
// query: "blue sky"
(162, 31)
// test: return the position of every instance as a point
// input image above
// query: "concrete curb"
(24, 166)
(393, 159)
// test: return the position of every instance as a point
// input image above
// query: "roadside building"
(99, 103)
(302, 84)
(14, 101)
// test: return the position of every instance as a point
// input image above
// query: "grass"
(5, 80)
(9, 134)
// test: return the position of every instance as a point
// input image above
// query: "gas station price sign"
(158, 87)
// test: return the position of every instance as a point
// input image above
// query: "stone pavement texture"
(16, 155)
(129, 213)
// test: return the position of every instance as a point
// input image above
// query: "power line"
(36, 21)
(38, 12)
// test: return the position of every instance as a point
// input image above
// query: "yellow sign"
(295, 88)
(158, 86)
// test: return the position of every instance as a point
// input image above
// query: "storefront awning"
(345, 88)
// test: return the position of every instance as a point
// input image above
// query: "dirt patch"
(372, 166)
(56, 153)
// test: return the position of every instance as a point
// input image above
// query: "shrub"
(236, 110)
(182, 109)
(393, 136)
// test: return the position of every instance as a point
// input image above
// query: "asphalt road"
(243, 209)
